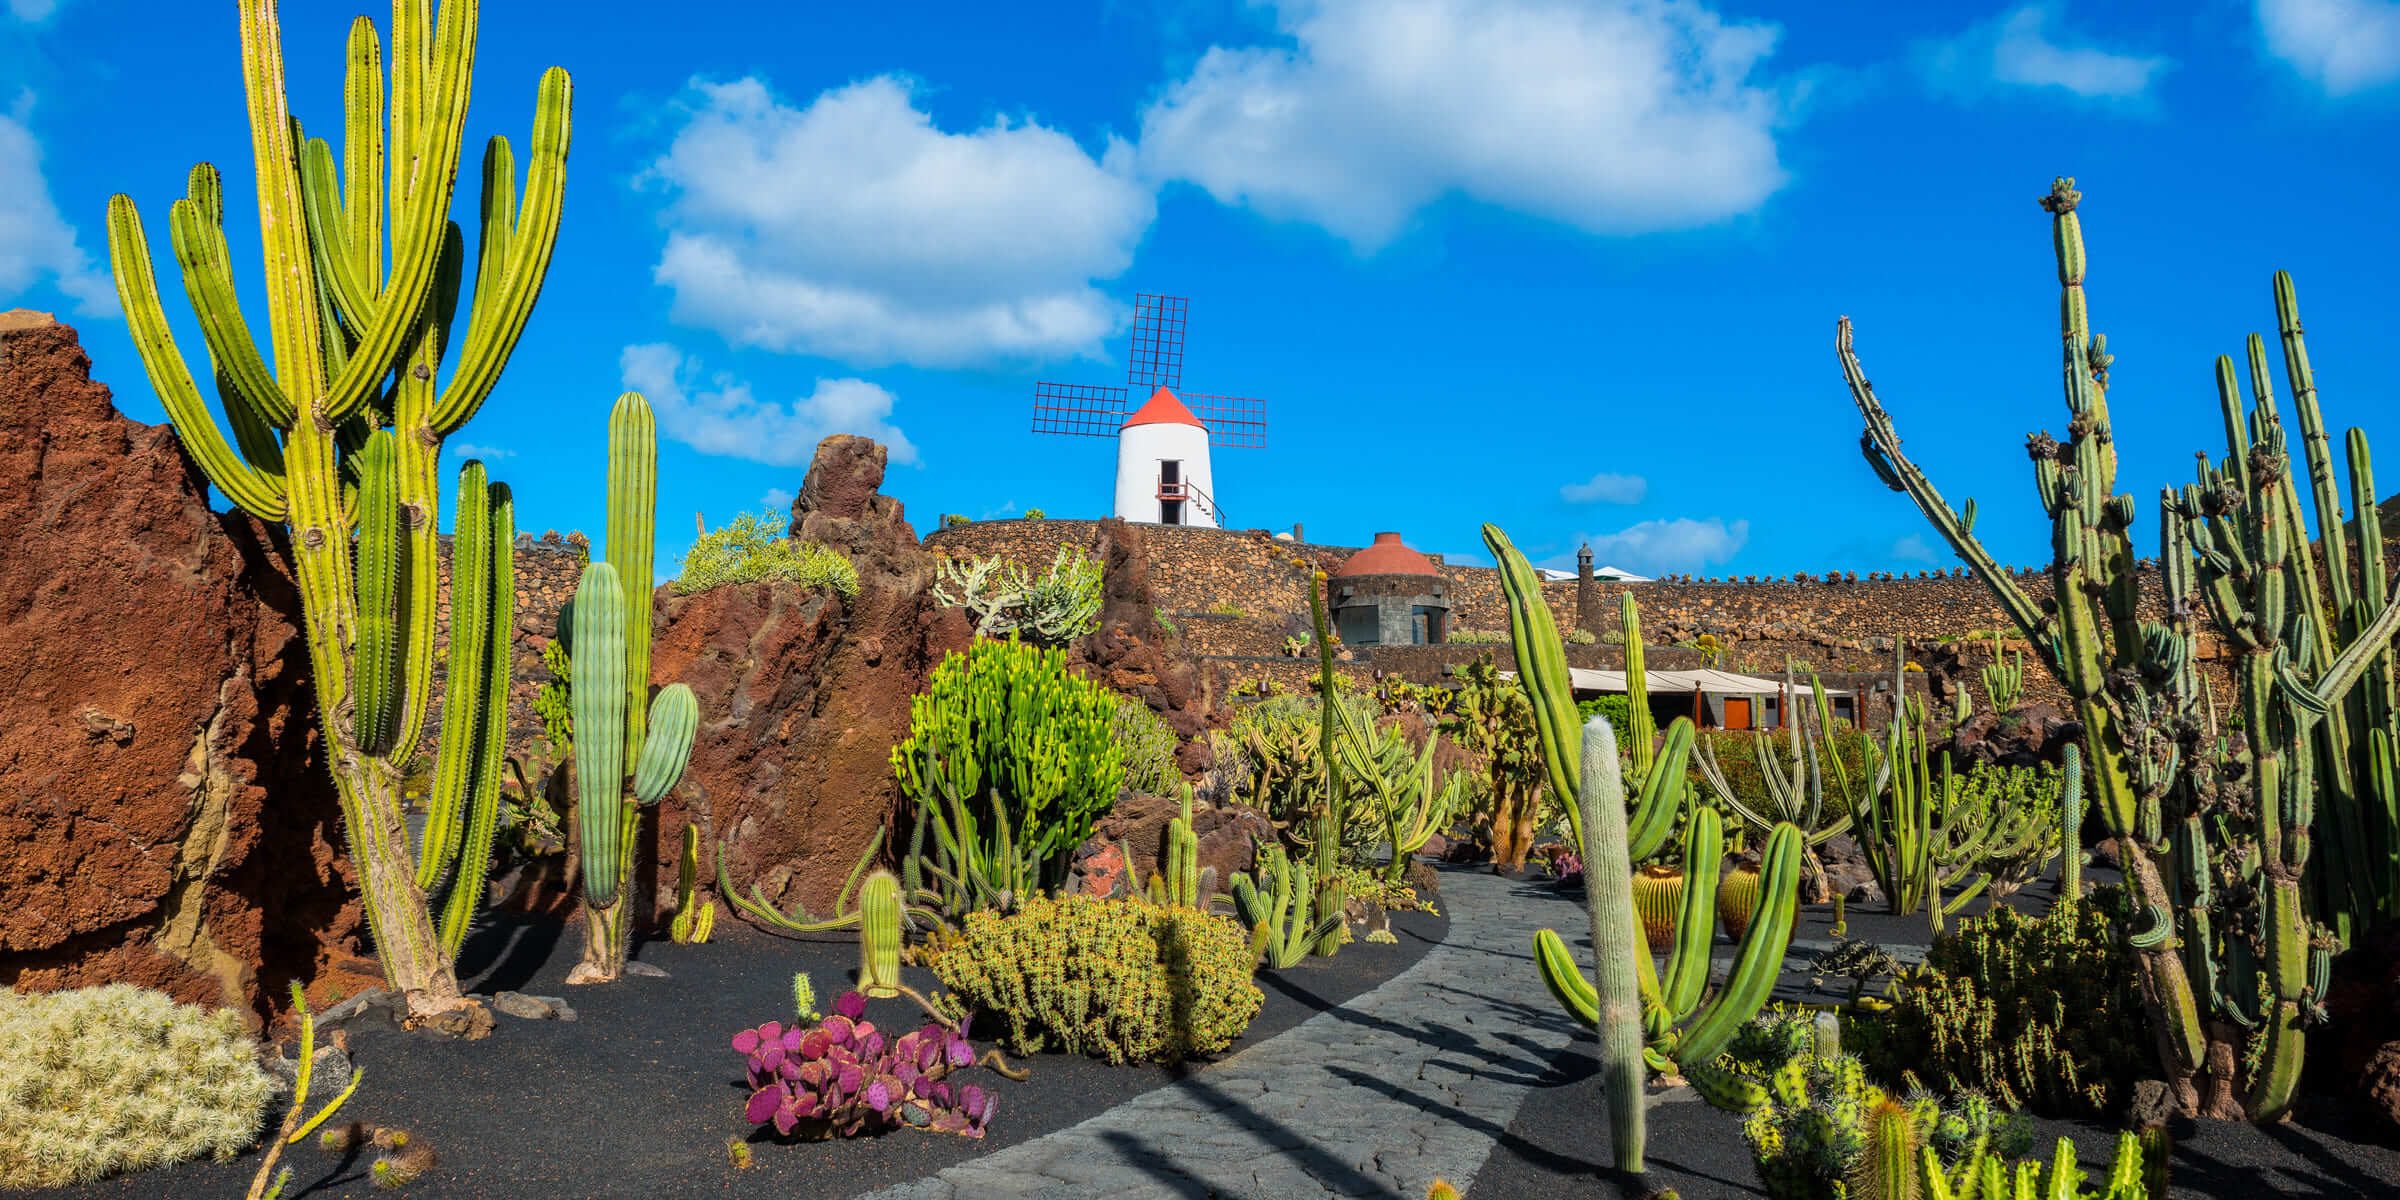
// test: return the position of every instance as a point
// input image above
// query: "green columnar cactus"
(1181, 882)
(1331, 901)
(2070, 826)
(467, 799)
(341, 438)
(1617, 943)
(695, 918)
(1283, 926)
(1414, 804)
(879, 936)
(611, 691)
(2315, 664)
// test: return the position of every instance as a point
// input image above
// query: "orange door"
(1737, 712)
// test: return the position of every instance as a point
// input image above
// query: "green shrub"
(754, 548)
(2038, 1011)
(118, 1078)
(1580, 637)
(1149, 747)
(1035, 514)
(1124, 981)
(1618, 708)
(1476, 637)
(1049, 609)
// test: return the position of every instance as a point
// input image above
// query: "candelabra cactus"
(2315, 666)
(1814, 791)
(611, 691)
(341, 438)
(1331, 900)
(2004, 681)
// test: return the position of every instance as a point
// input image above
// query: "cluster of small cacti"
(340, 438)
(1010, 759)
(1124, 981)
(2004, 681)
(402, 1158)
(842, 1077)
(1008, 601)
(624, 735)
(1181, 882)
(1824, 1132)
(118, 1078)
(2217, 827)
(2036, 1011)
(1276, 908)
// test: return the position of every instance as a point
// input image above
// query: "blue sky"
(1568, 265)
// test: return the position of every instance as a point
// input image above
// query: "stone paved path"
(1409, 1081)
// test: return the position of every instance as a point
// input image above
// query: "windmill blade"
(1078, 409)
(1234, 422)
(1157, 358)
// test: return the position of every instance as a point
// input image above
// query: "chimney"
(1587, 597)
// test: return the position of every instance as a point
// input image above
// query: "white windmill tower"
(1163, 472)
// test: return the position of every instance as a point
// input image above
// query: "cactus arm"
(505, 295)
(362, 156)
(1696, 923)
(256, 491)
(1662, 792)
(376, 652)
(197, 228)
(1641, 728)
(483, 802)
(351, 296)
(472, 557)
(1541, 669)
(1760, 960)
(1617, 945)
(1881, 441)
(667, 746)
(1565, 979)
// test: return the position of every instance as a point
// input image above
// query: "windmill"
(1163, 474)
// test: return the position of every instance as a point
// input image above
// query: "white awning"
(1706, 681)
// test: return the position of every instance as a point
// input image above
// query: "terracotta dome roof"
(1388, 556)
(1162, 409)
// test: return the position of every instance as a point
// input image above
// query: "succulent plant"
(842, 1077)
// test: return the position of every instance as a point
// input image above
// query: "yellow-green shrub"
(1120, 980)
(101, 1080)
(753, 548)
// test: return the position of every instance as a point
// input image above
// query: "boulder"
(1229, 838)
(157, 699)
(802, 696)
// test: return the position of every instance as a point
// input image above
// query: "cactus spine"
(610, 691)
(2315, 667)
(341, 438)
(879, 935)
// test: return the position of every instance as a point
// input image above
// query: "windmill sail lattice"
(1155, 360)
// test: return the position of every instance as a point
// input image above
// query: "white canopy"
(1706, 681)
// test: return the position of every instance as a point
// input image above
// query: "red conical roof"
(1162, 409)
(1388, 556)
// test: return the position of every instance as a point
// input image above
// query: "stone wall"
(1238, 594)
(546, 571)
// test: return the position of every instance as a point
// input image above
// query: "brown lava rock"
(156, 698)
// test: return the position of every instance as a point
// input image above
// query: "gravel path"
(1376, 1098)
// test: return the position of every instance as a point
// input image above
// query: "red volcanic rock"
(1229, 837)
(802, 695)
(163, 818)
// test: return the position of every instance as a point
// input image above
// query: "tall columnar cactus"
(2315, 663)
(610, 691)
(879, 935)
(341, 438)
(1331, 899)
(1277, 909)
(2070, 826)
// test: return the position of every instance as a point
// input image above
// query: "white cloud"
(855, 229)
(777, 499)
(2342, 46)
(36, 243)
(474, 450)
(718, 414)
(2021, 48)
(35, 11)
(1606, 488)
(1914, 548)
(1609, 116)
(1008, 508)
(1662, 546)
